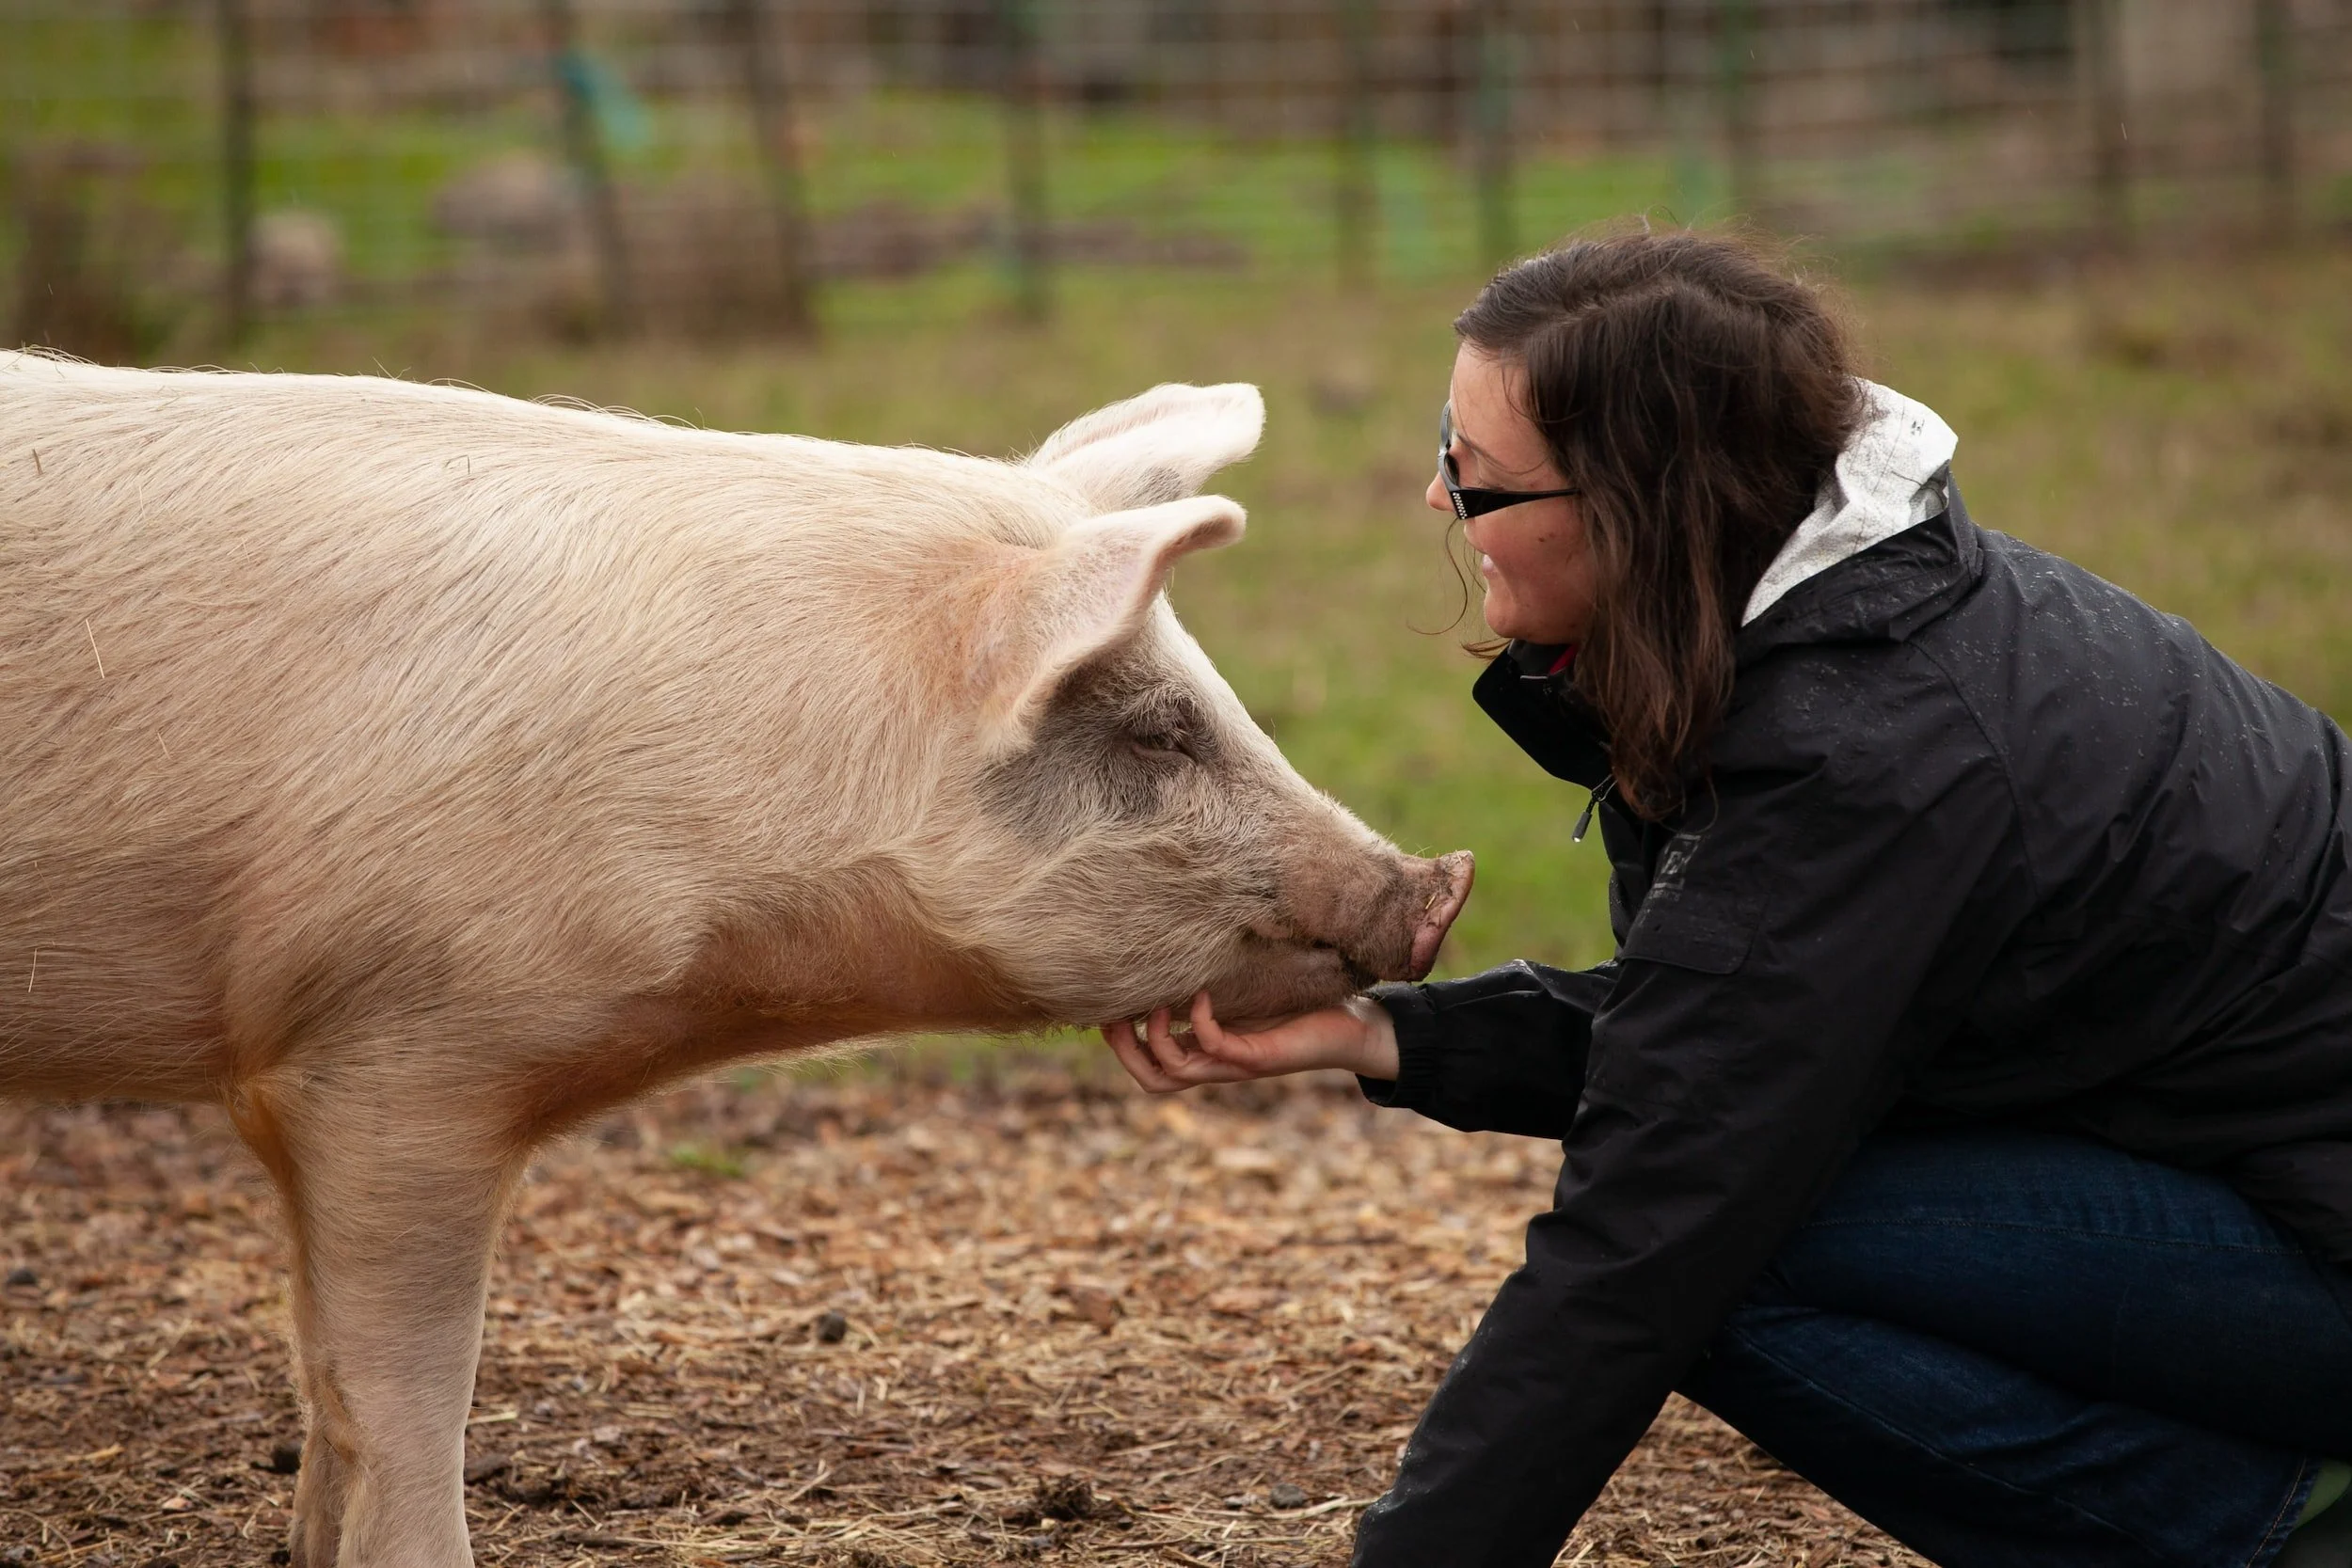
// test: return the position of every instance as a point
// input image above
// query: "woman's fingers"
(1167, 1049)
(1138, 1061)
(1182, 1056)
(1161, 1060)
(1206, 1031)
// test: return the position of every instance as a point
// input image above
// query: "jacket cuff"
(1417, 1054)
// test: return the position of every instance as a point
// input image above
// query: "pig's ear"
(1159, 446)
(1089, 595)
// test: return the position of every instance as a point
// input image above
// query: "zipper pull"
(1592, 804)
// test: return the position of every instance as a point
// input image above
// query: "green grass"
(2184, 429)
(706, 1160)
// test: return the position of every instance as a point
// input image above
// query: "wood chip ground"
(877, 1320)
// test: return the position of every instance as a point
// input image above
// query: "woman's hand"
(1357, 1037)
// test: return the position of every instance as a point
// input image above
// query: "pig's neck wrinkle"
(660, 1040)
(867, 966)
(786, 984)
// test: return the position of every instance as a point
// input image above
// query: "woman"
(1967, 1113)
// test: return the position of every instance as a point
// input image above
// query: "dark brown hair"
(1697, 397)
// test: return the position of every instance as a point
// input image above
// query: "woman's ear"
(1159, 446)
(1088, 595)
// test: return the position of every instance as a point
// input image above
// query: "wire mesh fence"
(716, 166)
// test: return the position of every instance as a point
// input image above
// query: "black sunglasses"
(1468, 504)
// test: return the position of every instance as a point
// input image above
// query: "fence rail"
(718, 165)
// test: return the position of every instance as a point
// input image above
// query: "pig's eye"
(1160, 744)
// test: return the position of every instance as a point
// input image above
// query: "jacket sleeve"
(1502, 1051)
(1806, 942)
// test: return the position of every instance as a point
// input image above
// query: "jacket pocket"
(1705, 931)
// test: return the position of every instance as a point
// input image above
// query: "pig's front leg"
(394, 1183)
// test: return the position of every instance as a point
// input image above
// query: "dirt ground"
(870, 1320)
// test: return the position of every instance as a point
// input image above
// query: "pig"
(416, 772)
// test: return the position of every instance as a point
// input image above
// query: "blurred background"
(2111, 240)
(709, 167)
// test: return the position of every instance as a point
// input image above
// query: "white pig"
(416, 773)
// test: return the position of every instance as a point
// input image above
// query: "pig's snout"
(1455, 871)
(1383, 918)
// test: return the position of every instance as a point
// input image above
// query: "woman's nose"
(1437, 498)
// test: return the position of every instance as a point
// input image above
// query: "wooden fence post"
(1735, 81)
(1491, 111)
(1354, 198)
(2100, 70)
(2275, 64)
(1020, 83)
(236, 167)
(768, 90)
(583, 148)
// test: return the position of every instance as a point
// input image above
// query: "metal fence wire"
(723, 165)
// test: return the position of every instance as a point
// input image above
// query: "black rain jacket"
(1983, 837)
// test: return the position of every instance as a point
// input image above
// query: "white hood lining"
(1893, 475)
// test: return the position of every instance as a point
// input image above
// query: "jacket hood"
(1883, 594)
(1892, 475)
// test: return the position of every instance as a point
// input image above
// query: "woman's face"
(1535, 557)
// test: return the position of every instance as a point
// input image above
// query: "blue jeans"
(2009, 1348)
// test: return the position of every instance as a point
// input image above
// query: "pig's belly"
(101, 1001)
(130, 1050)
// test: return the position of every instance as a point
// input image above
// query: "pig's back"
(396, 661)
